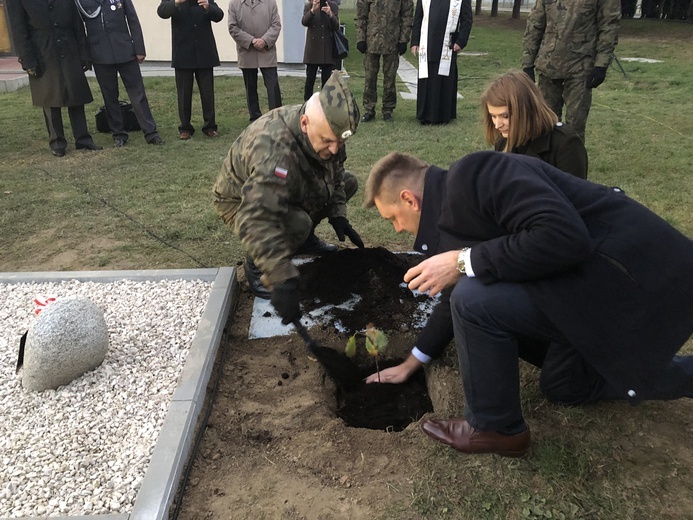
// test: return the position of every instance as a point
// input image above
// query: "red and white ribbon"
(41, 301)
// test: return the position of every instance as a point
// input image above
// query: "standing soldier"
(281, 177)
(383, 28)
(571, 44)
(53, 51)
(117, 47)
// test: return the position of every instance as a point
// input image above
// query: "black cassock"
(436, 99)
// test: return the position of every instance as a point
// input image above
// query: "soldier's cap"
(340, 108)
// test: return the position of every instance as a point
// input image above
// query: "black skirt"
(436, 99)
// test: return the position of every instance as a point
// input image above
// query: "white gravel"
(83, 449)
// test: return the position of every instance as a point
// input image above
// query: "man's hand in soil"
(434, 274)
(398, 374)
(285, 298)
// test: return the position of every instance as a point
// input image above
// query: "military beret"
(338, 103)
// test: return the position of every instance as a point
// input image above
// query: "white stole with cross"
(446, 52)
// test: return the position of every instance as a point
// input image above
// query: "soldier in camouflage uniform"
(571, 44)
(383, 28)
(281, 177)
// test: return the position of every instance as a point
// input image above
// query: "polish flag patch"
(280, 172)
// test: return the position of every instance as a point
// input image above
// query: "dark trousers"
(184, 86)
(311, 72)
(271, 80)
(56, 132)
(107, 76)
(495, 325)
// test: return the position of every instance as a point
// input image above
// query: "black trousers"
(497, 324)
(107, 76)
(271, 80)
(56, 132)
(312, 71)
(205, 84)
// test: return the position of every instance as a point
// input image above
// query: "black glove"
(86, 65)
(362, 47)
(342, 227)
(530, 72)
(596, 77)
(285, 298)
(401, 48)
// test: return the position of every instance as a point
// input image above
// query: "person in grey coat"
(52, 48)
(117, 47)
(194, 55)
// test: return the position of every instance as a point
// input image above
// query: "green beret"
(340, 107)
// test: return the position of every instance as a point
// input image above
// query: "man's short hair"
(393, 173)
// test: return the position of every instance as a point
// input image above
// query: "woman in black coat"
(321, 19)
(518, 120)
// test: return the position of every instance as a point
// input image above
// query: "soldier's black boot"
(253, 274)
(314, 246)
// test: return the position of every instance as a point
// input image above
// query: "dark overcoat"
(49, 37)
(194, 46)
(612, 276)
(562, 147)
(115, 35)
(319, 40)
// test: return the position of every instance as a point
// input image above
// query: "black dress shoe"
(314, 246)
(368, 116)
(119, 143)
(90, 146)
(156, 140)
(252, 275)
(59, 152)
(459, 434)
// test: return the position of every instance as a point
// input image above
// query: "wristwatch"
(461, 267)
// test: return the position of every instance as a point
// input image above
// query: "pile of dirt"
(375, 275)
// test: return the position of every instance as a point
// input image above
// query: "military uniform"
(566, 40)
(382, 24)
(273, 188)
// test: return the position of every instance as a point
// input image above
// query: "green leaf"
(350, 349)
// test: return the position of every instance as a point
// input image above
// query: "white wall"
(157, 32)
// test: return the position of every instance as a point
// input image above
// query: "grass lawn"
(145, 207)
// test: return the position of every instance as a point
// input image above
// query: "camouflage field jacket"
(382, 24)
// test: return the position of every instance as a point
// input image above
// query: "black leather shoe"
(252, 275)
(59, 152)
(91, 146)
(459, 434)
(388, 117)
(368, 116)
(119, 143)
(156, 140)
(314, 246)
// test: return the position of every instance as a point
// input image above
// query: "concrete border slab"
(172, 447)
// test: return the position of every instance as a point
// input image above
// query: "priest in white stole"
(441, 29)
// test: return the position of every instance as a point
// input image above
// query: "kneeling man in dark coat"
(52, 48)
(534, 263)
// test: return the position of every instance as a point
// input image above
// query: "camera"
(323, 3)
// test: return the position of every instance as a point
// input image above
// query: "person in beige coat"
(255, 26)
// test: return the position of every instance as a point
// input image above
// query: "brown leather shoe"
(184, 136)
(460, 435)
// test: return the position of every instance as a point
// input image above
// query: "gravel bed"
(83, 449)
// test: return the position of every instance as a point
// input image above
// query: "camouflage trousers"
(298, 224)
(574, 94)
(371, 66)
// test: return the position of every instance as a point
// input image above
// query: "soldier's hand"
(343, 228)
(362, 47)
(530, 72)
(401, 48)
(285, 299)
(86, 65)
(596, 77)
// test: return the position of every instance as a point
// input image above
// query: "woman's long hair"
(530, 116)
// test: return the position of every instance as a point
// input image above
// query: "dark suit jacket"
(562, 148)
(194, 46)
(49, 37)
(114, 36)
(612, 276)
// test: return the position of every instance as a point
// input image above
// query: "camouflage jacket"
(568, 38)
(382, 24)
(270, 167)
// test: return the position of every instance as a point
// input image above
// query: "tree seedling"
(375, 342)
